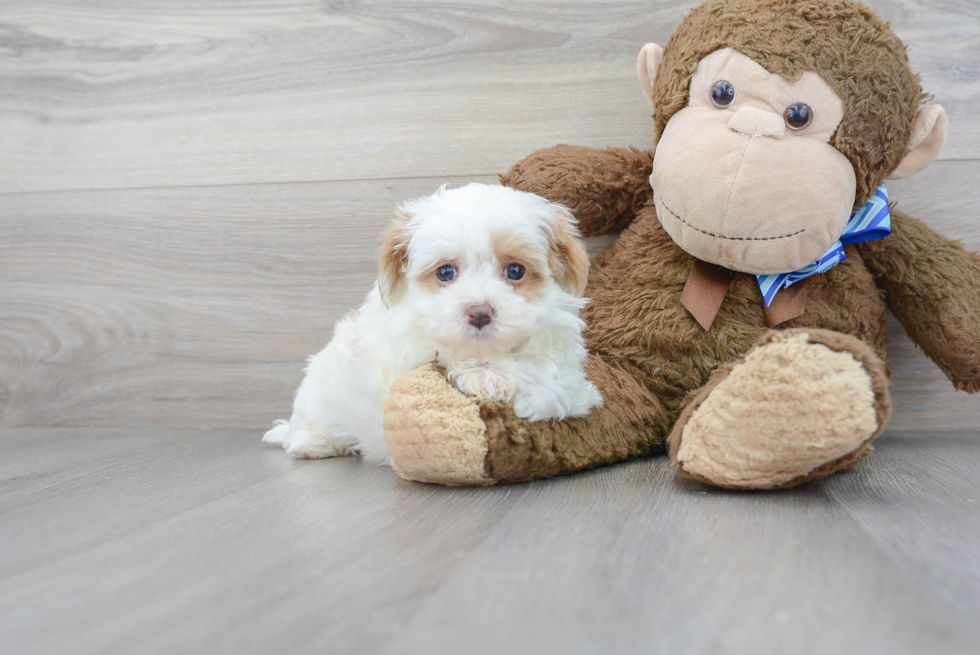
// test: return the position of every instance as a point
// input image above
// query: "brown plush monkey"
(726, 326)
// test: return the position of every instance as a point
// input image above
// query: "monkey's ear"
(647, 65)
(928, 137)
(394, 257)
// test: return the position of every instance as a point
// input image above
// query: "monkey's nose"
(752, 121)
(479, 315)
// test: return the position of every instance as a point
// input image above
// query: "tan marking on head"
(393, 260)
(568, 260)
(508, 249)
(427, 280)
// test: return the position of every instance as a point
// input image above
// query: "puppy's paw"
(306, 445)
(587, 398)
(538, 403)
(484, 380)
(278, 435)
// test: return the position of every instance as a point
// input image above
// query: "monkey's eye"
(446, 273)
(798, 116)
(514, 272)
(722, 94)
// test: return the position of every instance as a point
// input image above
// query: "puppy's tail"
(279, 434)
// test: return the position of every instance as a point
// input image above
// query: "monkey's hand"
(932, 285)
(604, 188)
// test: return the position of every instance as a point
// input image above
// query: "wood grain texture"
(906, 499)
(191, 193)
(198, 306)
(192, 306)
(119, 95)
(207, 541)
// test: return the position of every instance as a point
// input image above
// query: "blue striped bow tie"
(871, 222)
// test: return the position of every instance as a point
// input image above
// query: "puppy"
(485, 280)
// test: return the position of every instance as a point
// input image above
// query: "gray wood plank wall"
(191, 191)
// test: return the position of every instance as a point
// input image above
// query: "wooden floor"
(198, 541)
(191, 193)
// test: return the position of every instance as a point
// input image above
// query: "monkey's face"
(745, 176)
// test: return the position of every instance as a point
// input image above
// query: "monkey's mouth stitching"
(722, 236)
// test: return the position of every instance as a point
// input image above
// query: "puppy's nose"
(479, 315)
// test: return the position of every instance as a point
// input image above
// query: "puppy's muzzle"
(479, 315)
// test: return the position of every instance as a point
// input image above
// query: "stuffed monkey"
(738, 322)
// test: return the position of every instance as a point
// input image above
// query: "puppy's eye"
(798, 116)
(446, 273)
(514, 272)
(722, 94)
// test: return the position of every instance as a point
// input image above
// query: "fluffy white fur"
(531, 353)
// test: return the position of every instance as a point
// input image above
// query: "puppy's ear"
(568, 260)
(394, 257)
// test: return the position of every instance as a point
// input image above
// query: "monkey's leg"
(800, 405)
(436, 434)
(604, 188)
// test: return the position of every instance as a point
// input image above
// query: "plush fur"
(529, 350)
(735, 432)
(447, 442)
(657, 367)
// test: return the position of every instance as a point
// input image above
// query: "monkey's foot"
(801, 405)
(434, 432)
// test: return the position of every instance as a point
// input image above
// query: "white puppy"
(485, 280)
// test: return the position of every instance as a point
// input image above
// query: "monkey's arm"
(933, 288)
(604, 188)
(436, 434)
